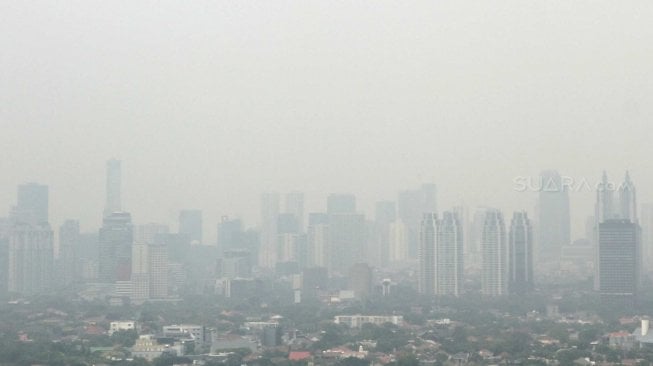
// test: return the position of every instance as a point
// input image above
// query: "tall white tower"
(494, 255)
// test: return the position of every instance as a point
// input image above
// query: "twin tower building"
(506, 256)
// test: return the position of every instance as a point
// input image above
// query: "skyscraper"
(628, 200)
(318, 240)
(341, 203)
(619, 261)
(385, 215)
(116, 238)
(427, 254)
(69, 241)
(647, 234)
(411, 206)
(520, 249)
(347, 239)
(397, 242)
(494, 255)
(32, 204)
(269, 217)
(190, 224)
(553, 217)
(606, 209)
(449, 255)
(30, 259)
(295, 207)
(113, 187)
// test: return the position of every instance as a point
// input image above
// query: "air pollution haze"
(209, 104)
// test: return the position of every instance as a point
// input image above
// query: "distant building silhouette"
(32, 204)
(269, 238)
(190, 224)
(553, 218)
(427, 254)
(113, 187)
(68, 260)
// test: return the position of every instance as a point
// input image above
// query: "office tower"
(385, 215)
(69, 241)
(628, 200)
(341, 203)
(190, 224)
(397, 242)
(116, 238)
(606, 209)
(140, 276)
(427, 254)
(114, 182)
(230, 233)
(288, 238)
(32, 204)
(318, 240)
(462, 213)
(647, 234)
(619, 261)
(360, 280)
(494, 256)
(150, 233)
(30, 257)
(449, 255)
(269, 215)
(553, 217)
(158, 270)
(295, 207)
(347, 238)
(411, 206)
(520, 250)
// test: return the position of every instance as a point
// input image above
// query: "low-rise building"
(356, 321)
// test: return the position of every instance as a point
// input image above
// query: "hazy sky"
(210, 103)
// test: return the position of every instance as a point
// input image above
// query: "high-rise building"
(32, 204)
(494, 255)
(347, 239)
(385, 215)
(606, 209)
(150, 233)
(113, 187)
(619, 261)
(397, 242)
(628, 200)
(520, 250)
(69, 241)
(30, 258)
(140, 276)
(230, 233)
(553, 217)
(427, 255)
(158, 270)
(295, 207)
(341, 203)
(116, 238)
(449, 264)
(475, 238)
(269, 216)
(411, 206)
(190, 224)
(318, 240)
(647, 234)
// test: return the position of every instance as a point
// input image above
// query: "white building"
(494, 255)
(122, 325)
(356, 321)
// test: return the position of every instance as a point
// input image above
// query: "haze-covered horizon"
(210, 104)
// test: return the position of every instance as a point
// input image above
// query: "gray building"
(115, 247)
(427, 254)
(190, 225)
(619, 261)
(30, 258)
(449, 265)
(553, 218)
(113, 187)
(32, 204)
(520, 250)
